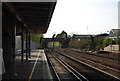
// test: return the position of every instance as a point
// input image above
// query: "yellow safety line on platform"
(30, 77)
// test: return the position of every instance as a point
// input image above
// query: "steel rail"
(108, 67)
(97, 69)
(71, 69)
(109, 58)
(55, 72)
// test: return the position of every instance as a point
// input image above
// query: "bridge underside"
(63, 41)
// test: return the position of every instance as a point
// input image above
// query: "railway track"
(112, 65)
(92, 72)
(66, 72)
(106, 56)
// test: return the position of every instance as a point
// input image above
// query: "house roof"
(114, 33)
(89, 36)
(82, 36)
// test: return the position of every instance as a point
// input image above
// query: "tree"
(56, 44)
(82, 44)
(36, 38)
(117, 41)
(63, 34)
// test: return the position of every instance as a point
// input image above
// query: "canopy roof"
(35, 15)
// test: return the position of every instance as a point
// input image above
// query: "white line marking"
(30, 77)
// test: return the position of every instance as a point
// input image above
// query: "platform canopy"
(35, 16)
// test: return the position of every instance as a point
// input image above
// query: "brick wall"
(112, 48)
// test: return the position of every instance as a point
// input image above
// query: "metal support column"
(41, 42)
(29, 47)
(26, 44)
(8, 44)
(22, 45)
(13, 47)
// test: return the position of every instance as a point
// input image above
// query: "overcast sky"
(84, 17)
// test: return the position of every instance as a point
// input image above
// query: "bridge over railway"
(63, 41)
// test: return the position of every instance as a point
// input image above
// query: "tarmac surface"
(35, 69)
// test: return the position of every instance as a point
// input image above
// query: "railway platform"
(35, 69)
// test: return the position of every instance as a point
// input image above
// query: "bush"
(106, 42)
(98, 43)
(81, 44)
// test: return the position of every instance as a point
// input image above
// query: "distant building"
(89, 36)
(112, 48)
(114, 33)
(101, 35)
(33, 45)
(76, 36)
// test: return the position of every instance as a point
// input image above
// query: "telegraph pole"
(87, 29)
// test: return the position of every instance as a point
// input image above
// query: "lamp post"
(41, 42)
(53, 37)
(118, 38)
